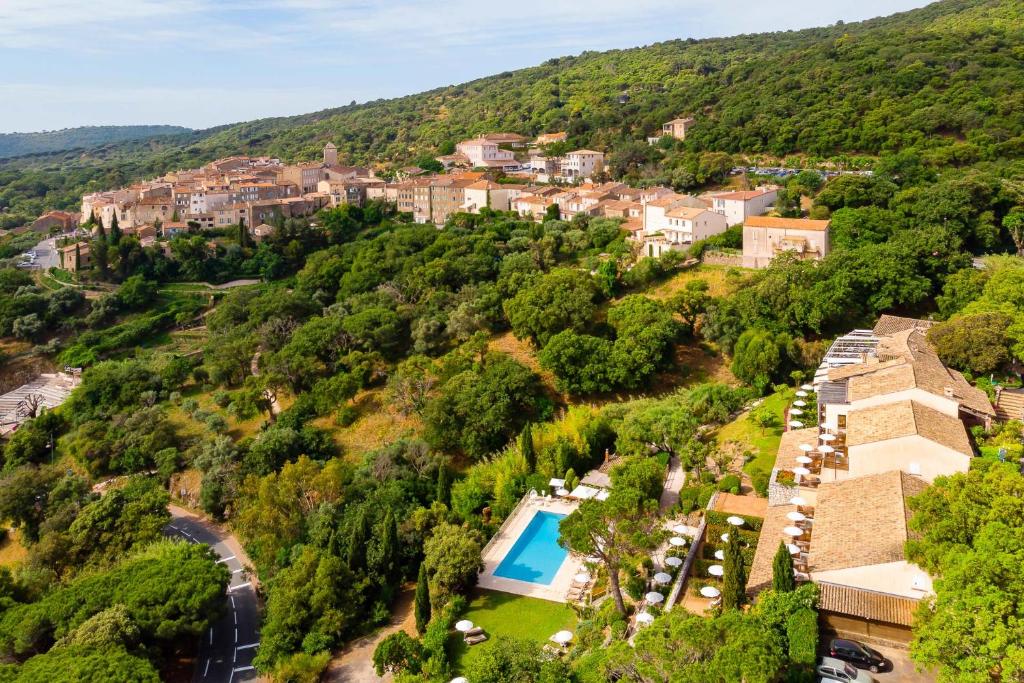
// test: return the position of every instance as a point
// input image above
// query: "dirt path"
(354, 664)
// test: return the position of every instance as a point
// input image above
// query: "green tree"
(452, 558)
(421, 604)
(398, 653)
(615, 529)
(526, 448)
(115, 230)
(560, 300)
(86, 665)
(976, 343)
(734, 590)
(357, 540)
(443, 493)
(386, 564)
(552, 213)
(1013, 221)
(759, 358)
(783, 577)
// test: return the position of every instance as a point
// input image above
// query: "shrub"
(730, 483)
(802, 634)
(759, 480)
(346, 415)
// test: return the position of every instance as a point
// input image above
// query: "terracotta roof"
(857, 602)
(774, 522)
(584, 151)
(666, 201)
(861, 522)
(786, 223)
(891, 324)
(743, 195)
(789, 446)
(686, 212)
(906, 418)
(687, 120)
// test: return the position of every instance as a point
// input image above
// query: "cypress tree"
(357, 541)
(389, 546)
(783, 578)
(101, 232)
(78, 257)
(422, 602)
(243, 234)
(735, 579)
(444, 486)
(526, 447)
(115, 230)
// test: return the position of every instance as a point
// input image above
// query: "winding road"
(228, 648)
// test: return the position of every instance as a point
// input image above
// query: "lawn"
(718, 279)
(505, 614)
(763, 443)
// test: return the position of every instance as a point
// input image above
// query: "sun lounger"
(475, 631)
(473, 640)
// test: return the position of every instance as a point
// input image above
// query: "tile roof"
(584, 151)
(891, 324)
(771, 534)
(866, 604)
(685, 212)
(786, 223)
(906, 418)
(862, 521)
(743, 195)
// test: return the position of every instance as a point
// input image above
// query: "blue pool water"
(536, 556)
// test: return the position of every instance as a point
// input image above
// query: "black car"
(858, 654)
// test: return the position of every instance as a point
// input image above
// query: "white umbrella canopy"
(795, 411)
(680, 529)
(795, 516)
(654, 597)
(735, 521)
(793, 548)
(793, 531)
(459, 679)
(807, 387)
(464, 625)
(798, 500)
(677, 541)
(562, 492)
(806, 447)
(802, 393)
(716, 570)
(710, 592)
(804, 460)
(562, 637)
(802, 471)
(582, 577)
(662, 578)
(720, 555)
(796, 424)
(645, 618)
(799, 403)
(725, 538)
(827, 437)
(673, 561)
(826, 449)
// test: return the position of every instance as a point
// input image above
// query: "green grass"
(763, 443)
(505, 614)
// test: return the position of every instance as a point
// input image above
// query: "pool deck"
(507, 537)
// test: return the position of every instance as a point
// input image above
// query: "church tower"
(330, 154)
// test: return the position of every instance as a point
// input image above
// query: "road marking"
(236, 634)
(243, 668)
(237, 571)
(234, 657)
(211, 635)
(232, 601)
(235, 615)
(225, 559)
(248, 647)
(174, 527)
(241, 585)
(206, 670)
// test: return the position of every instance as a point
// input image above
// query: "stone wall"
(721, 258)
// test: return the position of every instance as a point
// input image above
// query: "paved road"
(46, 254)
(228, 648)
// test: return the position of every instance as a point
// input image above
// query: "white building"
(738, 206)
(485, 153)
(583, 163)
(765, 237)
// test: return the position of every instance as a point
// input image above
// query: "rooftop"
(906, 418)
(785, 223)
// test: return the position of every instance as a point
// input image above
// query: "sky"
(201, 63)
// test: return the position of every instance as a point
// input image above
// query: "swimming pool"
(536, 556)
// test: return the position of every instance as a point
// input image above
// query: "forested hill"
(947, 79)
(18, 144)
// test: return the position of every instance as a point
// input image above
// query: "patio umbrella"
(645, 618)
(662, 578)
(677, 541)
(592, 560)
(793, 548)
(725, 538)
(681, 529)
(459, 679)
(807, 387)
(654, 597)
(673, 561)
(793, 531)
(806, 447)
(463, 626)
(582, 577)
(710, 592)
(720, 555)
(827, 437)
(799, 403)
(796, 424)
(826, 449)
(562, 492)
(802, 471)
(801, 394)
(798, 500)
(716, 570)
(735, 521)
(804, 460)
(562, 637)
(795, 516)
(795, 411)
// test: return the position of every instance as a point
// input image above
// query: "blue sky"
(201, 63)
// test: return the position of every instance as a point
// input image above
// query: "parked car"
(832, 670)
(858, 654)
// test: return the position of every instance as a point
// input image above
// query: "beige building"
(677, 128)
(485, 153)
(75, 257)
(582, 164)
(766, 237)
(738, 206)
(682, 226)
(495, 196)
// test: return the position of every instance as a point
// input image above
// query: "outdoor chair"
(474, 640)
(475, 631)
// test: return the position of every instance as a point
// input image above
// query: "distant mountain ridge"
(20, 144)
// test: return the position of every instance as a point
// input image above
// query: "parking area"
(902, 669)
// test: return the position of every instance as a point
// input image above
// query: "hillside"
(947, 79)
(19, 144)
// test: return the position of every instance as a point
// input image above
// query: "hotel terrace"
(882, 419)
